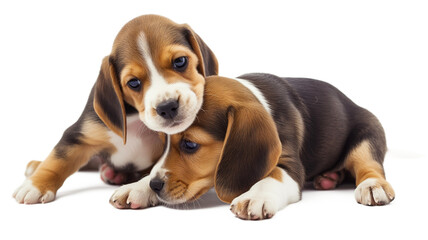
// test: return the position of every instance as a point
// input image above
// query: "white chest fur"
(139, 148)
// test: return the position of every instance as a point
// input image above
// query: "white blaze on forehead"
(160, 91)
(143, 46)
(157, 82)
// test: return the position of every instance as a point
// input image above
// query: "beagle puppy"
(258, 139)
(153, 80)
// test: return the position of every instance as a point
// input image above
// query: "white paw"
(134, 195)
(27, 193)
(374, 192)
(249, 206)
(266, 197)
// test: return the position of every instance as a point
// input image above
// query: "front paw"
(249, 207)
(135, 195)
(27, 193)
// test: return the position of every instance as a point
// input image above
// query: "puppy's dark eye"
(189, 146)
(134, 84)
(179, 64)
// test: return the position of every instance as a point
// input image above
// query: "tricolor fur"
(154, 62)
(259, 138)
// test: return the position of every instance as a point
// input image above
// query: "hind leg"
(108, 173)
(372, 187)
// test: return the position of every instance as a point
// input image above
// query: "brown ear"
(108, 99)
(208, 64)
(250, 152)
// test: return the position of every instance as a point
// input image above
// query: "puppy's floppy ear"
(108, 99)
(250, 152)
(208, 64)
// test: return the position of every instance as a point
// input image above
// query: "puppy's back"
(333, 124)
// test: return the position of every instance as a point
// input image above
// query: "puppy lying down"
(257, 139)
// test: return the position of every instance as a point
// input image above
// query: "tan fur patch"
(300, 126)
(130, 71)
(276, 174)
(51, 173)
(361, 164)
(191, 175)
(169, 54)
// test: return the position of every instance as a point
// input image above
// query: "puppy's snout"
(156, 184)
(168, 109)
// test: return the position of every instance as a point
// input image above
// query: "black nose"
(156, 184)
(168, 109)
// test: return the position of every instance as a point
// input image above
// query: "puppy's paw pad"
(374, 192)
(112, 176)
(328, 181)
(27, 193)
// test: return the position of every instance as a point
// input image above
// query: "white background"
(376, 52)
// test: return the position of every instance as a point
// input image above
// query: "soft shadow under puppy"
(208, 200)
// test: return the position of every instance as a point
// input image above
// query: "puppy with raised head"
(258, 139)
(153, 80)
